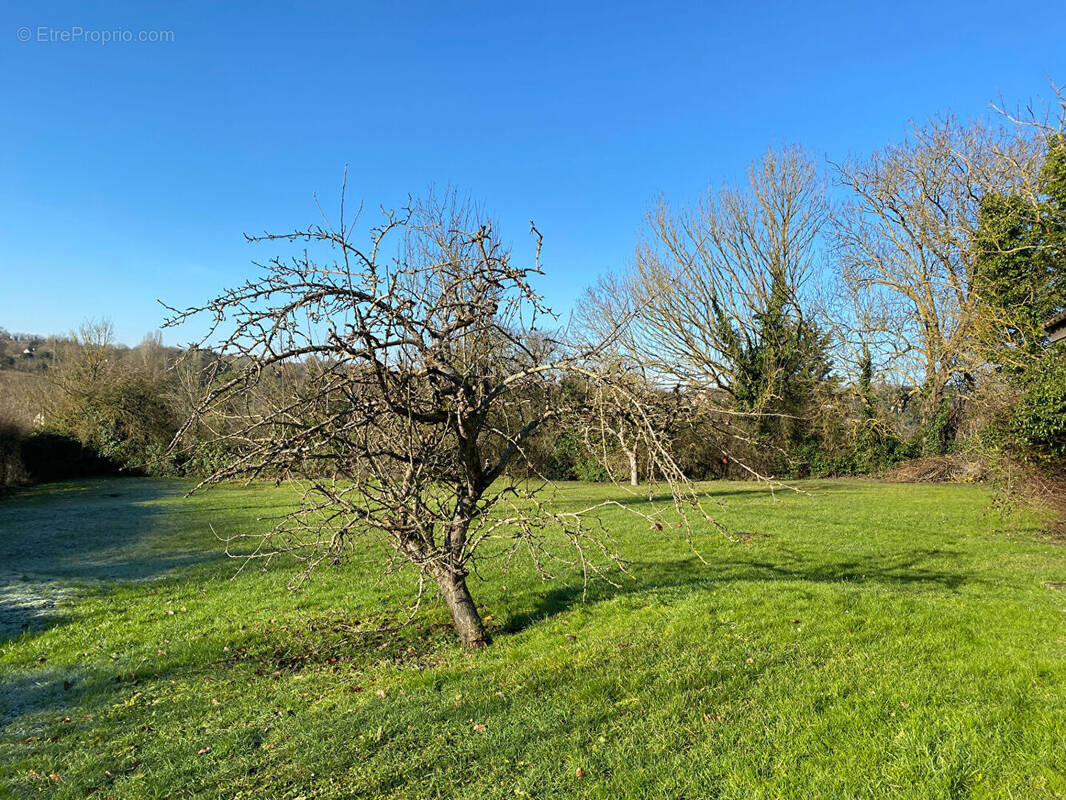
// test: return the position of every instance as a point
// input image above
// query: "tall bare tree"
(905, 238)
(704, 274)
(718, 298)
(395, 382)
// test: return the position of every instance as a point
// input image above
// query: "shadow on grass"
(56, 536)
(712, 491)
(267, 651)
(707, 495)
(25, 608)
(88, 530)
(658, 577)
(54, 690)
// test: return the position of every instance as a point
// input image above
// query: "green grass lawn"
(868, 641)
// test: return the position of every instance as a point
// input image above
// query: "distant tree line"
(83, 405)
(812, 320)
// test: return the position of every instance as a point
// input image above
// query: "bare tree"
(636, 421)
(718, 298)
(704, 274)
(1038, 123)
(905, 235)
(394, 383)
(1020, 277)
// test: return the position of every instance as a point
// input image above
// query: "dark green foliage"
(938, 433)
(877, 448)
(202, 459)
(39, 456)
(127, 420)
(570, 459)
(1021, 274)
(51, 455)
(866, 380)
(1021, 268)
(98, 408)
(869, 444)
(1038, 424)
(12, 470)
(778, 370)
(874, 448)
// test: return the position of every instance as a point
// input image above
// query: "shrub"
(1038, 422)
(12, 470)
(571, 460)
(51, 455)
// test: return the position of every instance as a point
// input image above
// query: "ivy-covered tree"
(718, 296)
(1021, 278)
(778, 367)
(904, 236)
(1021, 266)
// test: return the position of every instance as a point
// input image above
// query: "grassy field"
(864, 640)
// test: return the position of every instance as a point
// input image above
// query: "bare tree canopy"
(396, 382)
(718, 300)
(704, 274)
(905, 239)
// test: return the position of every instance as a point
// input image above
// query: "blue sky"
(131, 171)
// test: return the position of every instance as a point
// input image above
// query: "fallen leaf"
(380, 693)
(355, 688)
(480, 726)
(53, 777)
(750, 661)
(579, 773)
(203, 750)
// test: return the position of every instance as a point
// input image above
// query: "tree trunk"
(465, 615)
(634, 477)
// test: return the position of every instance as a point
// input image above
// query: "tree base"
(465, 616)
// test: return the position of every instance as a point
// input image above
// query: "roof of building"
(1055, 322)
(1056, 328)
